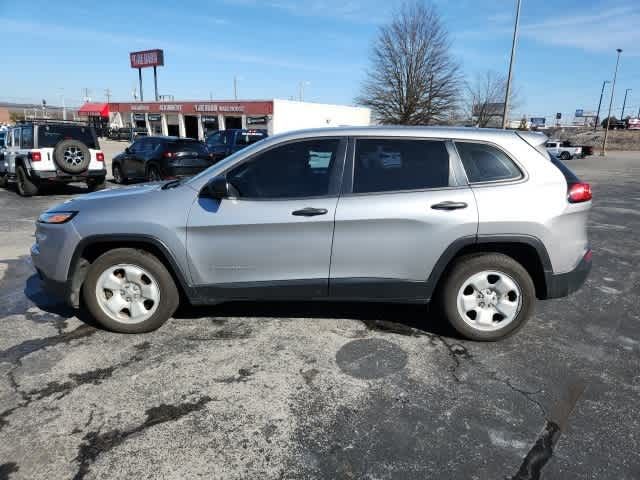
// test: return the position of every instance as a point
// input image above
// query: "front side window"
(388, 165)
(214, 139)
(288, 171)
(484, 163)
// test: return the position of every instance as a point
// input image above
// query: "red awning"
(94, 110)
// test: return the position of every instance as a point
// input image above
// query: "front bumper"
(561, 285)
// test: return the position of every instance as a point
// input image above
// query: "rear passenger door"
(403, 203)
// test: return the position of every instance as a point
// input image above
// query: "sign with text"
(538, 121)
(147, 58)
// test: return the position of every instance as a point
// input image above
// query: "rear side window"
(484, 163)
(51, 135)
(387, 165)
(27, 137)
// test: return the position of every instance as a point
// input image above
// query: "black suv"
(41, 152)
(223, 143)
(158, 158)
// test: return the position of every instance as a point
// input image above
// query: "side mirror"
(219, 188)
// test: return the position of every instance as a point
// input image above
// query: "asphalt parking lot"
(303, 390)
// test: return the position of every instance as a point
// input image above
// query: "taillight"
(35, 156)
(100, 156)
(168, 154)
(580, 192)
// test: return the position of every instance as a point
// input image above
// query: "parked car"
(41, 152)
(157, 158)
(223, 143)
(564, 150)
(479, 221)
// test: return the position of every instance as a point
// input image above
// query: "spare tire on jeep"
(72, 156)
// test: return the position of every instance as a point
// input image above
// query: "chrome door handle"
(449, 206)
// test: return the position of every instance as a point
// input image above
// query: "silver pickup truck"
(563, 150)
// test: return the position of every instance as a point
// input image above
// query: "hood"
(133, 192)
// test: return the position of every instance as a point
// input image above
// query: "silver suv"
(480, 221)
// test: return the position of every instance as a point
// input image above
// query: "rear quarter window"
(485, 163)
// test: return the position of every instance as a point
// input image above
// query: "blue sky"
(566, 49)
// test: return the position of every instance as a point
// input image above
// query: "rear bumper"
(561, 285)
(55, 176)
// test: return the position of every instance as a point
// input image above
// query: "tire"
(118, 176)
(135, 272)
(3, 180)
(565, 156)
(24, 185)
(93, 185)
(153, 174)
(512, 292)
(72, 156)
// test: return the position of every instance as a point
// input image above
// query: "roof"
(94, 110)
(459, 133)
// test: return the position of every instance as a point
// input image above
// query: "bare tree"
(413, 78)
(485, 98)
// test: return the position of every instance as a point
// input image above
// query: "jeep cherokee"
(479, 221)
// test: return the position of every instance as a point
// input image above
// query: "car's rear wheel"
(565, 156)
(118, 176)
(3, 180)
(24, 185)
(153, 174)
(130, 291)
(487, 297)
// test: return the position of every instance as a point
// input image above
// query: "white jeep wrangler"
(41, 151)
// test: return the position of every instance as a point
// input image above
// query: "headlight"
(56, 217)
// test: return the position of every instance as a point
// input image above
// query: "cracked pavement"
(304, 390)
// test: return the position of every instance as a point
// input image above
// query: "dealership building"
(196, 119)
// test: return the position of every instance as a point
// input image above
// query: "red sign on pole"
(147, 58)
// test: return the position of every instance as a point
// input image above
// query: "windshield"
(51, 135)
(250, 137)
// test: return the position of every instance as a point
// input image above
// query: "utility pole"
(301, 89)
(235, 87)
(505, 120)
(64, 108)
(595, 127)
(624, 104)
(87, 93)
(613, 90)
(107, 95)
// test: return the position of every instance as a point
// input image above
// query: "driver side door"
(274, 239)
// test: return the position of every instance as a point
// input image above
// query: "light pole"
(235, 86)
(613, 90)
(624, 104)
(595, 127)
(513, 55)
(302, 85)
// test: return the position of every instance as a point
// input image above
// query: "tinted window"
(187, 146)
(391, 165)
(248, 138)
(569, 176)
(51, 135)
(27, 137)
(484, 163)
(215, 139)
(16, 138)
(288, 171)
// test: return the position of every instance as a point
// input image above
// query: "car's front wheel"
(487, 297)
(130, 291)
